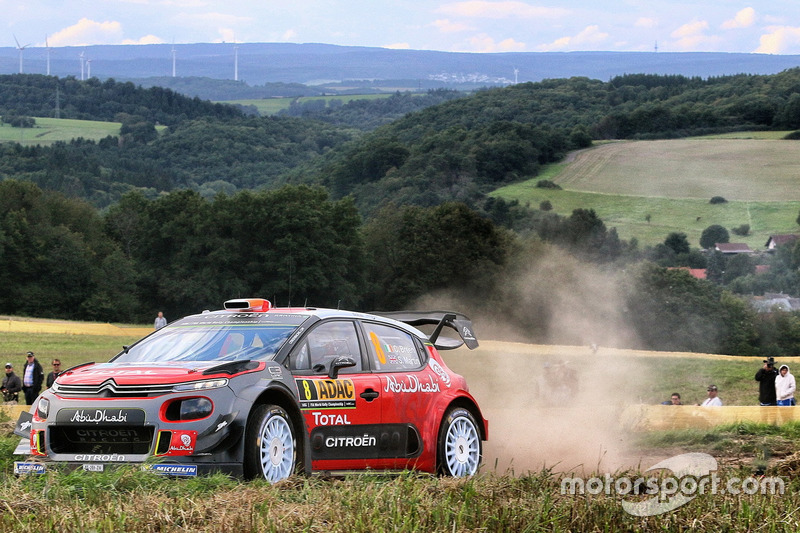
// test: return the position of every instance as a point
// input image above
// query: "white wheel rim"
(277, 449)
(462, 447)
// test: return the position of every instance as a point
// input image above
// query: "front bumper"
(170, 468)
(91, 431)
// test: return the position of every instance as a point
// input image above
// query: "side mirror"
(339, 363)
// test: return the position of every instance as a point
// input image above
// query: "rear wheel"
(459, 446)
(270, 444)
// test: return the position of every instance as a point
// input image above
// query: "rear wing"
(456, 321)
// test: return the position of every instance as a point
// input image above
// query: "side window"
(325, 343)
(391, 349)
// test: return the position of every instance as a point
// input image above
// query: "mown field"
(648, 189)
(50, 130)
(532, 446)
(271, 106)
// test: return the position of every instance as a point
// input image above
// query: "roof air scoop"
(248, 304)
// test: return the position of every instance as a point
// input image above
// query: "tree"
(742, 230)
(712, 235)
(671, 310)
(416, 250)
(737, 266)
(584, 226)
(678, 242)
(716, 267)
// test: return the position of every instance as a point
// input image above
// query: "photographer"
(766, 382)
(11, 386)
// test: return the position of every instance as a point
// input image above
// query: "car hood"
(136, 374)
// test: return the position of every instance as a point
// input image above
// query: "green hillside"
(672, 182)
(271, 106)
(50, 130)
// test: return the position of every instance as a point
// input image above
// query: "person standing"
(11, 386)
(766, 382)
(32, 378)
(713, 400)
(51, 377)
(785, 386)
(160, 321)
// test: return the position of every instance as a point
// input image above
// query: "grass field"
(523, 494)
(520, 496)
(673, 181)
(50, 130)
(271, 106)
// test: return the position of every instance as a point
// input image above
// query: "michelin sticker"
(21, 468)
(172, 470)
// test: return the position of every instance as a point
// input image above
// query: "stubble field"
(648, 189)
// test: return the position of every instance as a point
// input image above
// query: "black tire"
(459, 448)
(270, 446)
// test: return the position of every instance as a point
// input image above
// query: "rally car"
(267, 392)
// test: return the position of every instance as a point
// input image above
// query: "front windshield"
(221, 341)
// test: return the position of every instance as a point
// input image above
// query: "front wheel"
(459, 445)
(270, 444)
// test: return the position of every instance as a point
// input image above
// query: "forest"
(311, 210)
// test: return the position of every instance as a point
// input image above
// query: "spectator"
(51, 377)
(713, 400)
(766, 382)
(785, 386)
(32, 378)
(160, 321)
(674, 400)
(11, 386)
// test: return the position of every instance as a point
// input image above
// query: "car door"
(343, 415)
(409, 389)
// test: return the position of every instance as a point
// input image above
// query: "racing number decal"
(326, 393)
(376, 342)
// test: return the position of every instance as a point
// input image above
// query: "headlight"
(201, 385)
(184, 409)
(43, 408)
(195, 408)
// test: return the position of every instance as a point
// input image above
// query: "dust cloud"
(558, 403)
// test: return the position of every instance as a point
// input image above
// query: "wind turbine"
(516, 76)
(235, 61)
(173, 58)
(20, 48)
(47, 51)
(88, 69)
(82, 55)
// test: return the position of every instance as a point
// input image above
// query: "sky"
(769, 27)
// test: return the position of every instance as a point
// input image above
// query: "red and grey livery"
(267, 392)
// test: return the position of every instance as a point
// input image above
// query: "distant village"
(769, 302)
